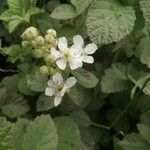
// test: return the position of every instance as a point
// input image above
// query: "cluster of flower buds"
(47, 70)
(37, 44)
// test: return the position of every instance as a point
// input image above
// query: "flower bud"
(44, 69)
(25, 44)
(52, 32)
(40, 41)
(33, 44)
(30, 34)
(52, 71)
(37, 53)
(49, 39)
(49, 59)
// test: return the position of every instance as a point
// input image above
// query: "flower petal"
(55, 53)
(62, 43)
(57, 78)
(90, 48)
(78, 40)
(50, 83)
(61, 64)
(49, 91)
(88, 59)
(57, 100)
(75, 64)
(71, 81)
(76, 50)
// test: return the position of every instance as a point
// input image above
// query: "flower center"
(59, 88)
(67, 54)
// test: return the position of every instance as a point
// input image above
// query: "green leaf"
(23, 88)
(5, 135)
(85, 78)
(143, 49)
(18, 131)
(68, 133)
(63, 12)
(13, 81)
(44, 103)
(80, 5)
(14, 105)
(18, 12)
(115, 79)
(41, 134)
(37, 82)
(144, 131)
(145, 119)
(134, 142)
(109, 21)
(80, 117)
(145, 5)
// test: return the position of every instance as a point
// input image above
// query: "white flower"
(66, 55)
(58, 87)
(85, 51)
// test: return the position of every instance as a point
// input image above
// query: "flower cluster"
(57, 54)
(37, 44)
(75, 55)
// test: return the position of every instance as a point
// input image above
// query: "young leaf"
(44, 103)
(115, 79)
(37, 82)
(68, 133)
(85, 78)
(109, 21)
(18, 12)
(41, 134)
(145, 7)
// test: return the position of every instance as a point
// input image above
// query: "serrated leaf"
(41, 134)
(68, 133)
(5, 135)
(63, 12)
(23, 88)
(85, 78)
(18, 12)
(144, 52)
(14, 105)
(80, 117)
(109, 21)
(145, 7)
(18, 131)
(80, 5)
(37, 82)
(134, 142)
(13, 81)
(44, 103)
(115, 79)
(144, 131)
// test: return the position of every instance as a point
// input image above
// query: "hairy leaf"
(109, 21)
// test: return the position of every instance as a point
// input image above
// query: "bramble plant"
(75, 74)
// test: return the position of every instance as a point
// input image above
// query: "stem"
(91, 123)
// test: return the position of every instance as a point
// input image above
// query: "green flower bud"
(50, 40)
(30, 34)
(52, 32)
(49, 59)
(52, 71)
(37, 53)
(44, 69)
(33, 44)
(25, 44)
(40, 41)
